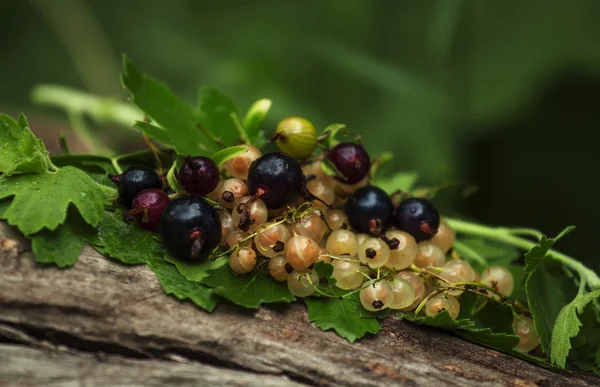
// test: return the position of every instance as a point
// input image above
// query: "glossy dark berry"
(198, 175)
(369, 210)
(133, 181)
(276, 178)
(147, 208)
(190, 227)
(351, 160)
(418, 217)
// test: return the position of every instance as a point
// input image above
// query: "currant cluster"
(281, 213)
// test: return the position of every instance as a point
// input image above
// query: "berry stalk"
(505, 235)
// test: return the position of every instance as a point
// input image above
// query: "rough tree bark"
(103, 323)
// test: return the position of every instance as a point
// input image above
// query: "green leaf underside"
(250, 290)
(254, 118)
(63, 245)
(175, 284)
(342, 315)
(20, 150)
(41, 200)
(324, 270)
(196, 271)
(215, 109)
(567, 326)
(328, 168)
(403, 181)
(127, 243)
(534, 256)
(225, 154)
(548, 291)
(161, 105)
(333, 130)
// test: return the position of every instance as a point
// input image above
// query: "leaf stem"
(507, 236)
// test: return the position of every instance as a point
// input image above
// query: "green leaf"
(487, 250)
(253, 121)
(567, 327)
(403, 181)
(41, 200)
(548, 291)
(20, 150)
(328, 168)
(196, 271)
(215, 109)
(172, 179)
(225, 154)
(175, 284)
(128, 243)
(534, 256)
(178, 120)
(62, 246)
(341, 315)
(324, 269)
(248, 290)
(333, 130)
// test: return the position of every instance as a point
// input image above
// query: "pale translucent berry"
(238, 166)
(279, 268)
(440, 303)
(528, 338)
(236, 237)
(418, 285)
(361, 238)
(321, 190)
(342, 242)
(336, 219)
(499, 278)
(271, 239)
(323, 255)
(300, 285)
(345, 190)
(348, 275)
(301, 252)
(249, 216)
(445, 237)
(227, 227)
(406, 253)
(456, 271)
(429, 255)
(217, 192)
(377, 296)
(232, 191)
(314, 169)
(373, 252)
(242, 260)
(404, 293)
(311, 226)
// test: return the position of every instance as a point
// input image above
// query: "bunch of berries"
(275, 213)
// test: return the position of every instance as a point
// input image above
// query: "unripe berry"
(342, 242)
(373, 252)
(243, 260)
(296, 136)
(406, 252)
(377, 296)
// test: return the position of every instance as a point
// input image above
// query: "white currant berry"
(311, 226)
(271, 239)
(456, 271)
(528, 338)
(232, 191)
(440, 303)
(404, 293)
(429, 255)
(342, 242)
(499, 278)
(249, 218)
(445, 236)
(376, 296)
(417, 283)
(242, 260)
(236, 237)
(345, 190)
(299, 283)
(373, 252)
(227, 227)
(321, 190)
(279, 268)
(348, 275)
(323, 255)
(216, 193)
(314, 169)
(301, 252)
(406, 253)
(362, 237)
(336, 219)
(238, 166)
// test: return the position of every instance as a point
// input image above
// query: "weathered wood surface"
(102, 323)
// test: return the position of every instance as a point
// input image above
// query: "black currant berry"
(198, 175)
(369, 210)
(418, 217)
(277, 179)
(190, 227)
(147, 208)
(351, 160)
(133, 181)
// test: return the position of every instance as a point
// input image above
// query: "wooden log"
(104, 323)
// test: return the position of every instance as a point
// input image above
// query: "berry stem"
(507, 236)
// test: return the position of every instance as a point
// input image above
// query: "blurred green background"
(504, 95)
